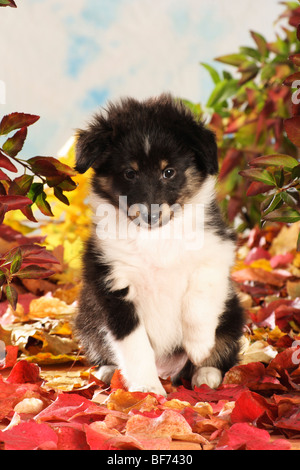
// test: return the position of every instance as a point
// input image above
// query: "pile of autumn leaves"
(256, 406)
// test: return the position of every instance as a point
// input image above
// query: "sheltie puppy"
(157, 299)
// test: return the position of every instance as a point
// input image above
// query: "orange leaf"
(117, 381)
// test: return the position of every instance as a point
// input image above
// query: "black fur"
(110, 145)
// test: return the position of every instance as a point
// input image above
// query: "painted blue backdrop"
(63, 59)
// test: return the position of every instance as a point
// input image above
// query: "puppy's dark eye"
(130, 174)
(169, 173)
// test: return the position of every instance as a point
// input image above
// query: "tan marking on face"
(191, 187)
(134, 165)
(163, 164)
(105, 183)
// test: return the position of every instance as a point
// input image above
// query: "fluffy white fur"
(179, 294)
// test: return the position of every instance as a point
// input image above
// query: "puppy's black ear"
(208, 151)
(92, 145)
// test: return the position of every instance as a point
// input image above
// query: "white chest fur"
(177, 291)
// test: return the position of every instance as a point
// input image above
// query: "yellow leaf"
(262, 264)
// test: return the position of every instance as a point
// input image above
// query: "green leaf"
(212, 72)
(270, 204)
(8, 3)
(259, 175)
(251, 52)
(288, 216)
(14, 144)
(296, 172)
(35, 190)
(222, 91)
(291, 197)
(194, 107)
(11, 295)
(267, 72)
(60, 195)
(286, 161)
(68, 184)
(16, 262)
(21, 185)
(43, 204)
(232, 59)
(2, 278)
(279, 177)
(260, 42)
(16, 121)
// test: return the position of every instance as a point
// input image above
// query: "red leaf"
(205, 393)
(65, 407)
(29, 436)
(281, 260)
(14, 144)
(295, 58)
(9, 234)
(292, 126)
(258, 275)
(24, 372)
(250, 406)
(244, 436)
(49, 166)
(284, 360)
(70, 438)
(35, 254)
(107, 439)
(11, 356)
(290, 419)
(34, 272)
(14, 202)
(231, 160)
(257, 188)
(284, 314)
(6, 163)
(253, 375)
(27, 211)
(264, 312)
(16, 121)
(255, 254)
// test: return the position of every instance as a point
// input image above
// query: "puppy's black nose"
(154, 217)
(151, 217)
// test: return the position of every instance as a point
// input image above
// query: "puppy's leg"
(225, 353)
(203, 305)
(105, 373)
(136, 359)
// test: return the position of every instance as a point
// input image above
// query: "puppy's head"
(154, 153)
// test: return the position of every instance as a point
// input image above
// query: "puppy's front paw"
(105, 373)
(157, 389)
(210, 376)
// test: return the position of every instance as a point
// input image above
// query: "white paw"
(157, 389)
(210, 376)
(105, 373)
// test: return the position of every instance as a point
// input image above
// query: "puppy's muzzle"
(150, 217)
